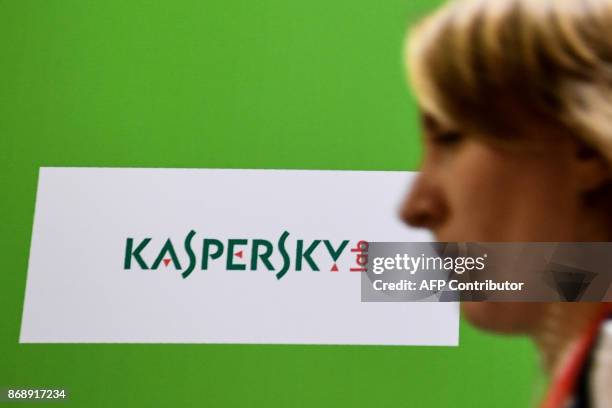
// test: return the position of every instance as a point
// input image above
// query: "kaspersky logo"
(241, 254)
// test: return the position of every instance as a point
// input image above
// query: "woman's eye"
(447, 138)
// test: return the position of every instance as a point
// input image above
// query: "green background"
(220, 83)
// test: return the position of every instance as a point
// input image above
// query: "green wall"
(220, 83)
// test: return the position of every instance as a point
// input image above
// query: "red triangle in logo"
(166, 261)
(239, 254)
(334, 268)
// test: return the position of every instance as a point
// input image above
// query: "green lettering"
(167, 248)
(301, 254)
(206, 249)
(265, 257)
(231, 266)
(129, 253)
(335, 254)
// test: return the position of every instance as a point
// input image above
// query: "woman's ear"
(592, 169)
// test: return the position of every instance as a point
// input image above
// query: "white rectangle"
(88, 283)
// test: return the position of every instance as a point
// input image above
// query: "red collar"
(564, 382)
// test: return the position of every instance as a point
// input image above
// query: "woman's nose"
(424, 206)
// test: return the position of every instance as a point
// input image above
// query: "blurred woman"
(516, 101)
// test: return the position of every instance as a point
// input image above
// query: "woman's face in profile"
(472, 188)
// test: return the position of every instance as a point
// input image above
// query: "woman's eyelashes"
(446, 138)
(436, 133)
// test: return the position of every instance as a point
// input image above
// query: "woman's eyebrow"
(432, 126)
(429, 123)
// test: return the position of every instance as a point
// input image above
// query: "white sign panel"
(218, 256)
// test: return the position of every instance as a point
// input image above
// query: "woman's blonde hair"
(498, 65)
